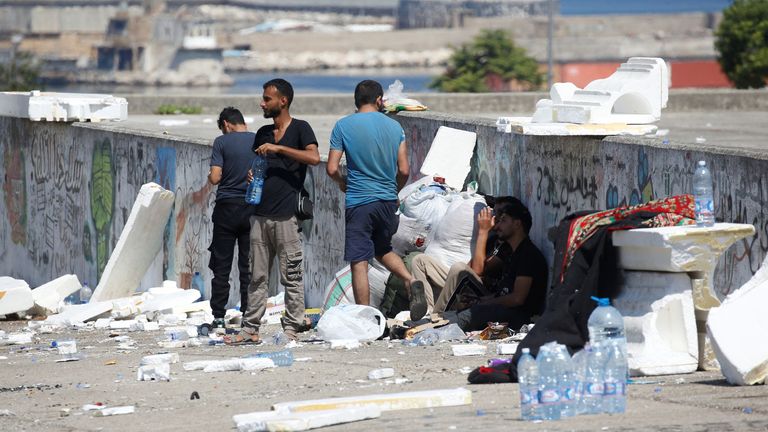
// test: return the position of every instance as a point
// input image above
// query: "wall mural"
(67, 193)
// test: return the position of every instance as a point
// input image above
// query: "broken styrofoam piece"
(302, 421)
(468, 349)
(190, 308)
(67, 107)
(15, 296)
(48, 296)
(74, 314)
(115, 411)
(139, 243)
(159, 359)
(736, 328)
(170, 302)
(385, 402)
(507, 348)
(154, 372)
(234, 364)
(449, 156)
(527, 126)
(22, 338)
(345, 343)
(381, 373)
(634, 94)
(127, 307)
(659, 323)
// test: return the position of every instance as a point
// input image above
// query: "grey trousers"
(272, 237)
(442, 280)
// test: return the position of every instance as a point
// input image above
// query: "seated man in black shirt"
(508, 285)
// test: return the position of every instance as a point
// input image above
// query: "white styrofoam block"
(737, 331)
(154, 372)
(449, 156)
(48, 296)
(67, 107)
(170, 302)
(80, 313)
(138, 245)
(385, 402)
(532, 126)
(287, 421)
(15, 296)
(659, 323)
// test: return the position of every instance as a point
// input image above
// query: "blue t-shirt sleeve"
(337, 143)
(217, 159)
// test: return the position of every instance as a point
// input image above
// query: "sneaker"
(219, 326)
(418, 300)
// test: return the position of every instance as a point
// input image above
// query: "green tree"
(742, 43)
(20, 73)
(491, 53)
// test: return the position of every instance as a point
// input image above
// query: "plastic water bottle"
(198, 284)
(528, 379)
(281, 358)
(594, 380)
(566, 380)
(550, 399)
(579, 360)
(259, 169)
(614, 393)
(606, 324)
(702, 195)
(426, 338)
(85, 293)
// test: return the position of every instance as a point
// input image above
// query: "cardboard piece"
(15, 296)
(449, 156)
(139, 243)
(47, 297)
(385, 402)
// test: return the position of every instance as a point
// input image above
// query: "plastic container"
(199, 285)
(255, 188)
(67, 348)
(579, 360)
(703, 196)
(606, 323)
(281, 358)
(594, 380)
(550, 398)
(566, 381)
(528, 379)
(426, 338)
(85, 293)
(615, 377)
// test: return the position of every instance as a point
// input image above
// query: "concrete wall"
(556, 176)
(67, 191)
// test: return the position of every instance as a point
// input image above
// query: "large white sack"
(427, 206)
(454, 238)
(377, 282)
(339, 291)
(411, 236)
(351, 322)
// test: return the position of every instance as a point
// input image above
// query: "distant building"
(450, 13)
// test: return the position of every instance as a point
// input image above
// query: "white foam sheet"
(15, 296)
(48, 296)
(180, 299)
(385, 402)
(449, 156)
(287, 421)
(80, 313)
(138, 245)
(659, 323)
(737, 331)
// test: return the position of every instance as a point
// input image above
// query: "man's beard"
(271, 113)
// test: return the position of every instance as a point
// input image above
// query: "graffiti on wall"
(102, 200)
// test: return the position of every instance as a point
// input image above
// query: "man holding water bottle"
(289, 145)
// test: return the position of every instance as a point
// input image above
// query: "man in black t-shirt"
(506, 285)
(230, 161)
(289, 145)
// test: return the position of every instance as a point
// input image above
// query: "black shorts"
(369, 230)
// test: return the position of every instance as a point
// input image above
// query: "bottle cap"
(602, 301)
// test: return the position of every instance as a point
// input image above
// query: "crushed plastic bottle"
(282, 358)
(426, 338)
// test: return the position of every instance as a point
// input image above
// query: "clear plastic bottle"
(281, 358)
(606, 323)
(702, 195)
(579, 360)
(566, 381)
(614, 394)
(259, 169)
(199, 285)
(85, 293)
(594, 380)
(426, 338)
(528, 380)
(550, 399)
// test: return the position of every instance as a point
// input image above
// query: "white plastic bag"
(351, 321)
(452, 240)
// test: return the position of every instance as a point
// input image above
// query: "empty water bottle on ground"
(702, 195)
(615, 371)
(528, 379)
(550, 399)
(85, 293)
(199, 285)
(281, 358)
(258, 169)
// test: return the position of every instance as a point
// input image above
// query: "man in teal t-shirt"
(377, 168)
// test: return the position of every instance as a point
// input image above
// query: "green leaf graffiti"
(102, 200)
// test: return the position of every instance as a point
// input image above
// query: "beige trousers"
(440, 282)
